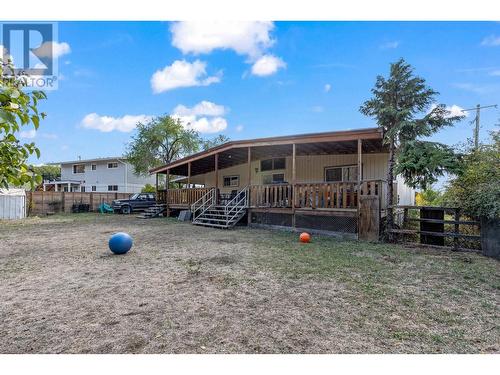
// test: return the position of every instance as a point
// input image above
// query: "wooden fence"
(44, 202)
(434, 225)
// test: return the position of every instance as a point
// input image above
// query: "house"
(326, 182)
(113, 174)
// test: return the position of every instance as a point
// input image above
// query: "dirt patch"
(188, 289)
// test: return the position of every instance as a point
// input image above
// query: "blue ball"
(120, 243)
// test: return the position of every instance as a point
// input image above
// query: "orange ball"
(305, 237)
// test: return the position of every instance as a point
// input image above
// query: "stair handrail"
(238, 200)
(204, 203)
(241, 208)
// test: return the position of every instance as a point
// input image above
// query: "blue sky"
(253, 80)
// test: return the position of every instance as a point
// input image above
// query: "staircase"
(207, 213)
(153, 211)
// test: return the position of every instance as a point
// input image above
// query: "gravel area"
(188, 289)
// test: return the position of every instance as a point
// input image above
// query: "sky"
(253, 79)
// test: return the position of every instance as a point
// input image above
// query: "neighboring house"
(314, 181)
(113, 174)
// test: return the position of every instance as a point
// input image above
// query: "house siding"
(122, 176)
(308, 169)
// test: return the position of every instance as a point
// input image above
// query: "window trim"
(272, 166)
(93, 167)
(93, 188)
(73, 168)
(237, 176)
(272, 178)
(112, 163)
(112, 188)
(342, 173)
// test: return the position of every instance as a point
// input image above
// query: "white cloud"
(182, 74)
(477, 89)
(27, 134)
(390, 45)
(267, 65)
(53, 49)
(239, 128)
(205, 117)
(203, 124)
(245, 38)
(203, 108)
(453, 110)
(491, 41)
(327, 87)
(4, 50)
(249, 38)
(107, 124)
(49, 135)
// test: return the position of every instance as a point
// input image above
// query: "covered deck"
(297, 191)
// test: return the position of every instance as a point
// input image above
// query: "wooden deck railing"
(276, 196)
(181, 197)
(327, 195)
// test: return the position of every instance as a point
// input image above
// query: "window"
(112, 187)
(333, 174)
(93, 188)
(276, 178)
(78, 168)
(231, 181)
(82, 189)
(348, 173)
(272, 164)
(93, 167)
(113, 165)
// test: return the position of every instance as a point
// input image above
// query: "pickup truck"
(136, 202)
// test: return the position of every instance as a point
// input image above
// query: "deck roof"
(236, 152)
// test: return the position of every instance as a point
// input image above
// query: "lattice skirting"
(327, 223)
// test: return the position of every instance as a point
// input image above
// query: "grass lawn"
(188, 289)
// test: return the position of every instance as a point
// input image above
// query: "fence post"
(457, 229)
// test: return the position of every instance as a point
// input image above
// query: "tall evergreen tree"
(403, 106)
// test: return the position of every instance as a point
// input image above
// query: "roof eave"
(265, 142)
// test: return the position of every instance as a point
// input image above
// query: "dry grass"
(186, 289)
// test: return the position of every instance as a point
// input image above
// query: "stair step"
(211, 225)
(205, 219)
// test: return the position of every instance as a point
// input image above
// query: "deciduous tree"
(18, 110)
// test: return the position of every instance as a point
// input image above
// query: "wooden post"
(294, 178)
(216, 178)
(360, 150)
(249, 162)
(189, 175)
(167, 182)
(360, 166)
(457, 230)
(156, 183)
